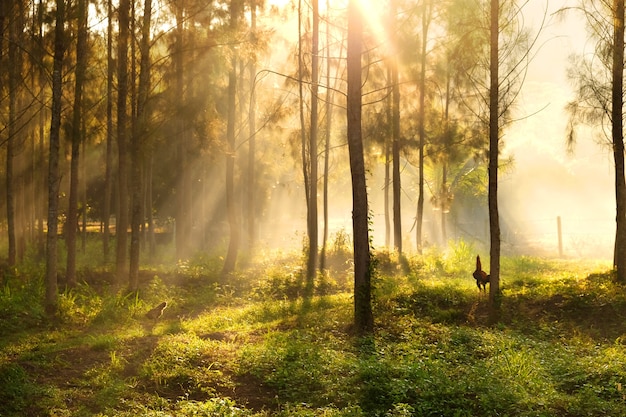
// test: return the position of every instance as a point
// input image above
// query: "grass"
(254, 346)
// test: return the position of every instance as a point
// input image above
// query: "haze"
(544, 182)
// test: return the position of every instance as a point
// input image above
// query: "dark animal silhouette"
(157, 311)
(481, 277)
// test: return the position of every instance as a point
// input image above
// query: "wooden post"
(559, 231)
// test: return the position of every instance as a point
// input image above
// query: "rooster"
(480, 276)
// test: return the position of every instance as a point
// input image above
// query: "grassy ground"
(253, 346)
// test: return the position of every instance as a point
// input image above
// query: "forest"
(280, 208)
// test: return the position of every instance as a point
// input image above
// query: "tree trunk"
(41, 174)
(137, 148)
(363, 316)
(329, 118)
(494, 139)
(231, 206)
(251, 206)
(183, 193)
(312, 209)
(108, 174)
(14, 75)
(426, 17)
(122, 141)
(395, 151)
(618, 139)
(72, 212)
(303, 141)
(53, 161)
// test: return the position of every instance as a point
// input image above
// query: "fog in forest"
(540, 180)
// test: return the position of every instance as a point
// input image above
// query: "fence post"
(560, 233)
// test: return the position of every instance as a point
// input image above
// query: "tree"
(312, 207)
(617, 136)
(599, 96)
(427, 11)
(53, 160)
(138, 138)
(108, 174)
(121, 227)
(395, 143)
(76, 139)
(494, 140)
(363, 317)
(233, 218)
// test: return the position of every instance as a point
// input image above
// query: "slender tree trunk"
(183, 192)
(53, 161)
(363, 316)
(426, 17)
(72, 216)
(312, 209)
(395, 143)
(618, 138)
(329, 118)
(494, 139)
(233, 219)
(137, 148)
(303, 143)
(14, 76)
(251, 206)
(122, 141)
(108, 186)
(41, 177)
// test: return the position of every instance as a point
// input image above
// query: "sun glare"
(323, 4)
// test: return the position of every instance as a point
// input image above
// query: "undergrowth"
(257, 344)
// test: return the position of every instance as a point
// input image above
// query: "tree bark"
(312, 209)
(251, 206)
(395, 151)
(426, 17)
(328, 129)
(122, 141)
(363, 316)
(137, 149)
(76, 139)
(12, 172)
(53, 161)
(108, 174)
(231, 206)
(617, 134)
(494, 139)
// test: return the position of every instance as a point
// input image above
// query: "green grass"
(256, 346)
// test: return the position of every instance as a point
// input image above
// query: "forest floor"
(258, 345)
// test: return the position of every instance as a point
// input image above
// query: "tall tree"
(312, 216)
(183, 192)
(251, 195)
(14, 140)
(53, 160)
(427, 11)
(395, 138)
(363, 316)
(108, 174)
(617, 136)
(76, 139)
(233, 218)
(137, 140)
(121, 227)
(494, 140)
